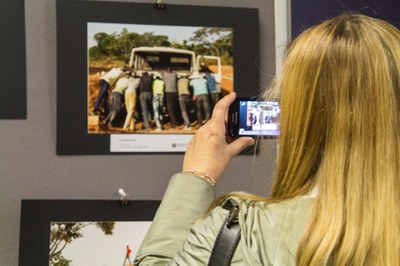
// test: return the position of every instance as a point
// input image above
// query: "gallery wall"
(30, 168)
(305, 13)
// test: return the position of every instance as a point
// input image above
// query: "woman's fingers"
(236, 146)
(222, 106)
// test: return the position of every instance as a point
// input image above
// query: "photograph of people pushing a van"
(155, 78)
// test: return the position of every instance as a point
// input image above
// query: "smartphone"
(252, 117)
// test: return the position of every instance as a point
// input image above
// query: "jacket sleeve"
(186, 199)
(197, 248)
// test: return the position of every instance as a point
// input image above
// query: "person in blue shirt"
(201, 97)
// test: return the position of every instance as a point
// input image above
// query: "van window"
(159, 61)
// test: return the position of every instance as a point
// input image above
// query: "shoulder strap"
(228, 237)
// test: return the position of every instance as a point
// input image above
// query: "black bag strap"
(228, 237)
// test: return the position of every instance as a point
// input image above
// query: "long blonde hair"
(340, 132)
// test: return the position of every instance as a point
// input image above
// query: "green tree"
(62, 234)
(184, 45)
(214, 41)
(149, 39)
(95, 52)
(126, 41)
(120, 45)
(106, 43)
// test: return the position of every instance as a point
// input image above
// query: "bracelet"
(203, 176)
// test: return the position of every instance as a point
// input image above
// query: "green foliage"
(126, 41)
(107, 44)
(62, 234)
(95, 53)
(205, 41)
(120, 45)
(214, 41)
(184, 45)
(106, 227)
(59, 260)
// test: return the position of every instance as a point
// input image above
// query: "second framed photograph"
(83, 232)
(135, 78)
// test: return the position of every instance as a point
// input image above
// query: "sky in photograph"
(96, 248)
(175, 33)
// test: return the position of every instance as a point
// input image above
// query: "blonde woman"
(335, 200)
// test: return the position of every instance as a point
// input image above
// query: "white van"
(156, 60)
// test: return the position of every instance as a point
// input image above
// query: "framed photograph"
(12, 58)
(135, 78)
(78, 232)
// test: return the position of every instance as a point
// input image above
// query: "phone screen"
(258, 118)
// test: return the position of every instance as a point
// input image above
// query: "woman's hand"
(208, 151)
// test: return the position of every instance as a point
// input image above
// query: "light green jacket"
(270, 233)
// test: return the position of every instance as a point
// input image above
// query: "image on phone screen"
(258, 118)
